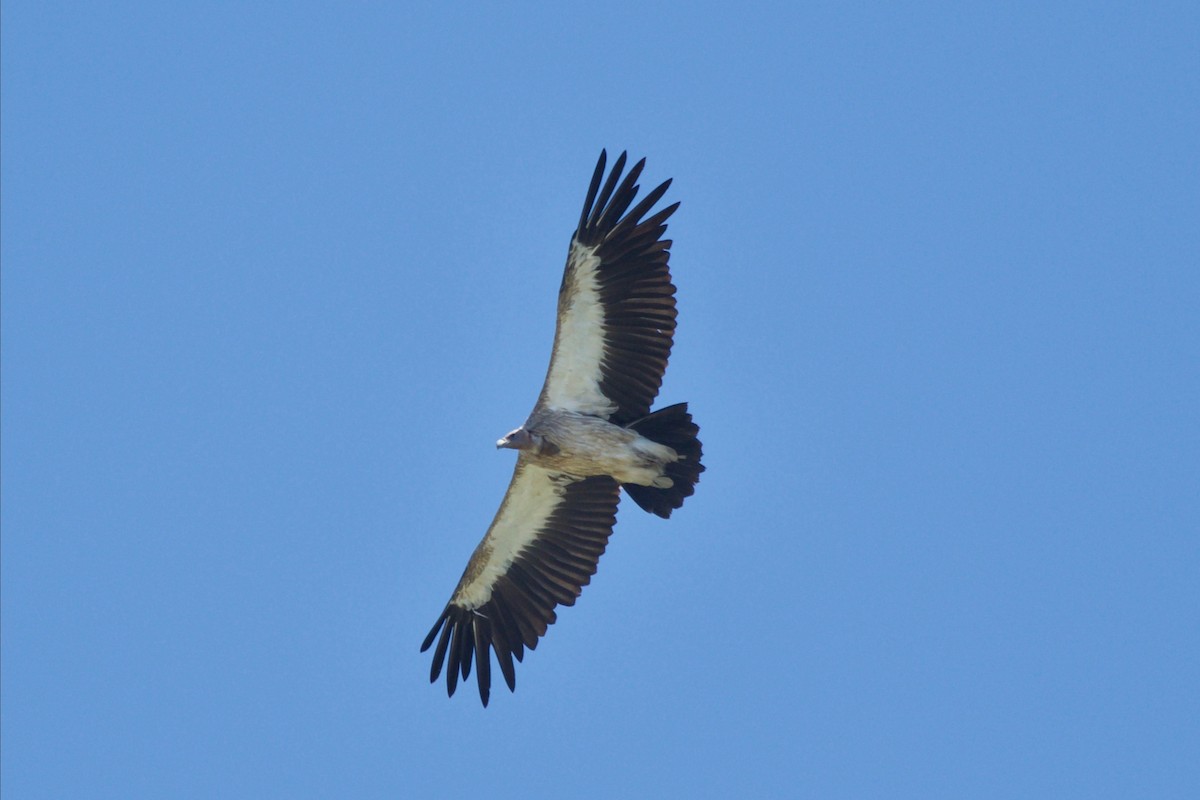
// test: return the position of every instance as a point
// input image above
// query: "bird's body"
(590, 434)
(586, 445)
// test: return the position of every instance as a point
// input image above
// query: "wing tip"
(466, 640)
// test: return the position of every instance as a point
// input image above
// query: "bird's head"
(520, 439)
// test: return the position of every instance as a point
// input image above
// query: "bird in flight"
(590, 434)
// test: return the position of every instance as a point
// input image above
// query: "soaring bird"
(590, 434)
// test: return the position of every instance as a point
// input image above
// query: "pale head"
(520, 439)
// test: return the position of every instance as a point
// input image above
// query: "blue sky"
(277, 276)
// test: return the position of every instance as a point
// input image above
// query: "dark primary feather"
(551, 571)
(634, 285)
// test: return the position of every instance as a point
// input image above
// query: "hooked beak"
(516, 440)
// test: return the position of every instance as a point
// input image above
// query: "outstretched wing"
(616, 305)
(540, 551)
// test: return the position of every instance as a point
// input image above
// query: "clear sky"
(276, 277)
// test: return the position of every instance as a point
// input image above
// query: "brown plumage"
(590, 432)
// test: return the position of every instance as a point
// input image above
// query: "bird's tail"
(673, 427)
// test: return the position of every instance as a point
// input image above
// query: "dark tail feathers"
(673, 427)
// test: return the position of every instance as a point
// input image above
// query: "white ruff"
(532, 497)
(573, 383)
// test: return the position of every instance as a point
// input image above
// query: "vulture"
(590, 434)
